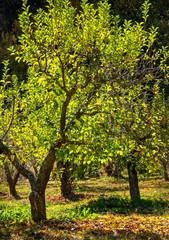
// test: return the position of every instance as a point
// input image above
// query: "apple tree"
(66, 69)
(76, 63)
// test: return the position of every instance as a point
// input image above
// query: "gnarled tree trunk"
(37, 196)
(38, 186)
(133, 181)
(12, 181)
(38, 206)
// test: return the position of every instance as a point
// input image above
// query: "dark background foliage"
(126, 9)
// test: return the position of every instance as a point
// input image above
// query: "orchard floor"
(100, 209)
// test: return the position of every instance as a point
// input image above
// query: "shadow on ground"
(102, 189)
(123, 205)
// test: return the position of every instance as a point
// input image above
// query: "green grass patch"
(91, 214)
(14, 214)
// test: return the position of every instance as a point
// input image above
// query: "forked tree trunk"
(38, 206)
(12, 181)
(133, 181)
(38, 185)
(37, 196)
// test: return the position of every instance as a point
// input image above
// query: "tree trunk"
(13, 191)
(66, 169)
(133, 181)
(66, 186)
(12, 181)
(37, 196)
(164, 164)
(109, 168)
(38, 185)
(38, 207)
(114, 173)
(117, 172)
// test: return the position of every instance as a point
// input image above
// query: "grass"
(100, 209)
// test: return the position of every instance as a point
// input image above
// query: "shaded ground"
(108, 227)
(99, 209)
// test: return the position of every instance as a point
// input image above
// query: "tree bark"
(133, 181)
(66, 170)
(109, 168)
(38, 206)
(66, 186)
(116, 172)
(12, 181)
(37, 196)
(164, 164)
(38, 186)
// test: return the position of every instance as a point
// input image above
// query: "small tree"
(133, 131)
(66, 69)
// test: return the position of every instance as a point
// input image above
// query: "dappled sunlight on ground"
(98, 209)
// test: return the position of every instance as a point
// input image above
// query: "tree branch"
(63, 74)
(12, 118)
(14, 160)
(64, 108)
(45, 170)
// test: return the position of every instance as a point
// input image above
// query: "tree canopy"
(84, 69)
